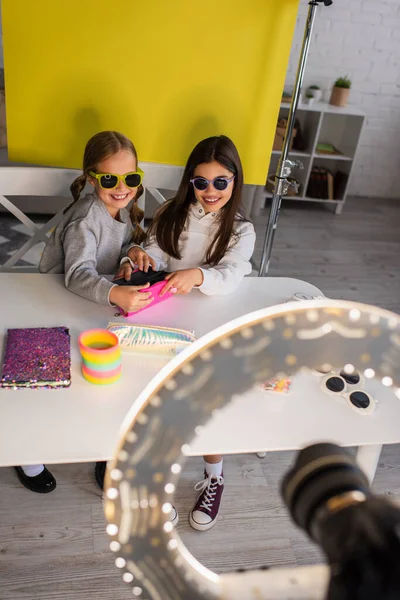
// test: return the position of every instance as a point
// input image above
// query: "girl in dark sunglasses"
(203, 240)
(201, 237)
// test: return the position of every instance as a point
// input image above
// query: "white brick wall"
(361, 39)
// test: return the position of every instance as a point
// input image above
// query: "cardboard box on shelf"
(280, 135)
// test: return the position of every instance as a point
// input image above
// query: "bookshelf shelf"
(324, 124)
(293, 153)
(332, 156)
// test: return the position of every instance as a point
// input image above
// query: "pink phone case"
(155, 289)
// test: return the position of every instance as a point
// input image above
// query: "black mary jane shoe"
(41, 484)
(99, 473)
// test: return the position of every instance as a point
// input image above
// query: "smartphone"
(141, 278)
(157, 282)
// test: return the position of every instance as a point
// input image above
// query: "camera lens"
(321, 472)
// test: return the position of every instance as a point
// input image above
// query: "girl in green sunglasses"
(97, 230)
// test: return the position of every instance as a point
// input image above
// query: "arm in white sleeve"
(226, 276)
(81, 276)
(155, 252)
(123, 257)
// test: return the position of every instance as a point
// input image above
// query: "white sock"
(32, 470)
(213, 468)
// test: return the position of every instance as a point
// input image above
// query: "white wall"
(361, 39)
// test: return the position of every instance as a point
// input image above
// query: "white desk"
(82, 423)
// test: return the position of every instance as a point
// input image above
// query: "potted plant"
(340, 92)
(310, 98)
(315, 92)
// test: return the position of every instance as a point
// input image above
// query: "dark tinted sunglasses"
(109, 181)
(219, 183)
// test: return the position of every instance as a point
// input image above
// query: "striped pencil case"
(151, 338)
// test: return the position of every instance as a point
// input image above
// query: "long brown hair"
(99, 147)
(169, 220)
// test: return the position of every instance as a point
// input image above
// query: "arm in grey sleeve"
(226, 276)
(155, 252)
(81, 276)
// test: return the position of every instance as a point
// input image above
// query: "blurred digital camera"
(329, 497)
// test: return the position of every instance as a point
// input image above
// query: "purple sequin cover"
(37, 358)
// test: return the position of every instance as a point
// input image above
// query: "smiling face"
(120, 163)
(213, 200)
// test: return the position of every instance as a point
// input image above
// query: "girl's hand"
(125, 271)
(140, 258)
(183, 281)
(129, 298)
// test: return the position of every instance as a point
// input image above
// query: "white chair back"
(53, 184)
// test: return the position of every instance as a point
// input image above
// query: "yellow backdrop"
(164, 72)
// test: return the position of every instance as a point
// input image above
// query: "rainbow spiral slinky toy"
(101, 356)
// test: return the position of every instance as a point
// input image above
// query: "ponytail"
(77, 186)
(136, 217)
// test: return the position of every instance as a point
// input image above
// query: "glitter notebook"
(37, 358)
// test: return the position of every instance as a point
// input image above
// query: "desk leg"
(368, 458)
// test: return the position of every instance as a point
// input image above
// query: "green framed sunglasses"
(109, 181)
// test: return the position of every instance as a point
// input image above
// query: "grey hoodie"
(86, 244)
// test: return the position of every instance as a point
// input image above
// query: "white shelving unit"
(323, 123)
